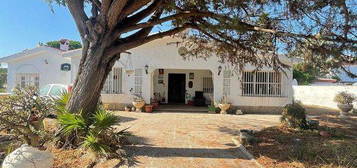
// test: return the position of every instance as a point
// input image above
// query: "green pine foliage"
(72, 44)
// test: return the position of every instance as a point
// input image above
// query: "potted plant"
(212, 109)
(148, 108)
(224, 105)
(138, 103)
(344, 102)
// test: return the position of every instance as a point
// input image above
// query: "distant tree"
(238, 31)
(304, 74)
(72, 44)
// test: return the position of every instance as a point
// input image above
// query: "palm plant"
(61, 102)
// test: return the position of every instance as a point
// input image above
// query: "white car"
(54, 91)
(354, 84)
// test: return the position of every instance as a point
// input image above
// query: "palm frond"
(61, 103)
(102, 120)
(71, 122)
(93, 142)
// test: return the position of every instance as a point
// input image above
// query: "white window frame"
(27, 79)
(138, 82)
(113, 84)
(227, 74)
(262, 84)
(207, 84)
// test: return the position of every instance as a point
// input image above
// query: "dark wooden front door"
(177, 88)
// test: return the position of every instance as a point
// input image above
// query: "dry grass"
(278, 148)
(70, 158)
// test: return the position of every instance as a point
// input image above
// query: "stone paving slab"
(189, 140)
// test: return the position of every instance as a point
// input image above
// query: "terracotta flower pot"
(224, 108)
(148, 108)
(139, 105)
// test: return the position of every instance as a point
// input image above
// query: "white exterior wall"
(159, 55)
(321, 95)
(36, 63)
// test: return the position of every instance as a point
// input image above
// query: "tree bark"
(89, 82)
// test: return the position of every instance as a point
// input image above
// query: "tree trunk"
(90, 79)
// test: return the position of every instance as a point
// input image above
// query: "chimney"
(64, 44)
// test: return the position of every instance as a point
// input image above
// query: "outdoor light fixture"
(147, 69)
(219, 70)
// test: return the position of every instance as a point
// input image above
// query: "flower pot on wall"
(148, 108)
(139, 105)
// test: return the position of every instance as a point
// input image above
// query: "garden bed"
(284, 147)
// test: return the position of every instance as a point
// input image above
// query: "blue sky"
(25, 23)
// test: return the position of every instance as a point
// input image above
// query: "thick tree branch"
(137, 42)
(114, 12)
(77, 10)
(132, 7)
(144, 13)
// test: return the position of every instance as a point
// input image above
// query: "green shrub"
(294, 116)
(344, 98)
(23, 112)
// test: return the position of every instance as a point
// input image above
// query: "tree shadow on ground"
(123, 119)
(136, 151)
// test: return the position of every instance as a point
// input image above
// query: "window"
(27, 79)
(207, 84)
(261, 84)
(138, 82)
(227, 82)
(113, 84)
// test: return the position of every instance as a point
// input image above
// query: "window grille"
(227, 82)
(27, 79)
(113, 84)
(138, 82)
(262, 84)
(207, 84)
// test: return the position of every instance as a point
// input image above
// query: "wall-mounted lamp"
(146, 69)
(219, 70)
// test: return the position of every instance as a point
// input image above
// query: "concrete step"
(181, 108)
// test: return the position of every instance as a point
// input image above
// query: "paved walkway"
(189, 140)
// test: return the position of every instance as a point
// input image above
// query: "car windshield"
(56, 91)
(44, 90)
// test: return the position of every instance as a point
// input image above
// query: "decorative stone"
(28, 157)
(325, 134)
(246, 137)
(239, 112)
(50, 125)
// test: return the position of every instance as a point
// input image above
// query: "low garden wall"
(321, 95)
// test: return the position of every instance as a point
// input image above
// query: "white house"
(156, 70)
